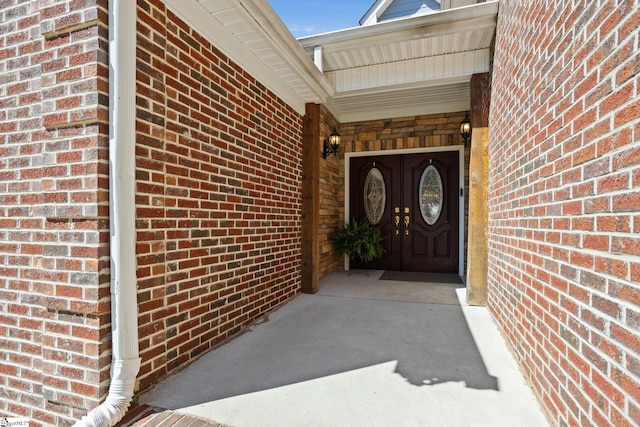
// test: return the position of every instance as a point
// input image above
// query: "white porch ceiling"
(409, 66)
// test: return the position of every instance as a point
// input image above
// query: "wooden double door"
(414, 200)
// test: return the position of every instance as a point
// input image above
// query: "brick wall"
(54, 282)
(564, 201)
(218, 195)
(218, 198)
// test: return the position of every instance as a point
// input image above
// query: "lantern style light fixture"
(332, 145)
(465, 129)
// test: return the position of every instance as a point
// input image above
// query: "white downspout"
(125, 363)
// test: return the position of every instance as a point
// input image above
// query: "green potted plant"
(359, 240)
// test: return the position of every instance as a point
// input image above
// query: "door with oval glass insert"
(414, 200)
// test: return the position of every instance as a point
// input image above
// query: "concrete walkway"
(361, 352)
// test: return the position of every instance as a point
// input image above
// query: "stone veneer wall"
(331, 197)
(434, 130)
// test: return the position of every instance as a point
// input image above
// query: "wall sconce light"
(465, 129)
(332, 145)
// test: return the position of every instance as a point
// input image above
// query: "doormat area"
(413, 276)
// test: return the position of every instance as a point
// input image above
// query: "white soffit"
(402, 101)
(449, 31)
(417, 65)
(251, 34)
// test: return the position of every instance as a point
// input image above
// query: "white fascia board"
(281, 40)
(387, 112)
(374, 12)
(431, 71)
(456, 20)
(341, 104)
(442, 29)
(441, 82)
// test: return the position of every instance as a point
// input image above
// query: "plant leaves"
(359, 240)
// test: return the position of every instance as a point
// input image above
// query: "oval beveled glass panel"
(430, 195)
(375, 196)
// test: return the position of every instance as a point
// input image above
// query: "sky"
(310, 17)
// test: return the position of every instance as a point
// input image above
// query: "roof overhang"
(251, 34)
(409, 66)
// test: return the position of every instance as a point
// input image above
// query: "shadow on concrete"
(353, 323)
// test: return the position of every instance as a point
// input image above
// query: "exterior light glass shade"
(465, 129)
(332, 145)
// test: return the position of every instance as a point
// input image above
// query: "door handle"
(406, 225)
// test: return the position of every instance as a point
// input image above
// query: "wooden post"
(478, 246)
(311, 199)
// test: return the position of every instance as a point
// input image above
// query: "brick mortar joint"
(77, 123)
(48, 35)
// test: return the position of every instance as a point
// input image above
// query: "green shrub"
(359, 240)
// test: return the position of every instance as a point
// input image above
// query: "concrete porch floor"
(360, 352)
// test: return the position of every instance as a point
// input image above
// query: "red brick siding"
(564, 203)
(218, 195)
(54, 233)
